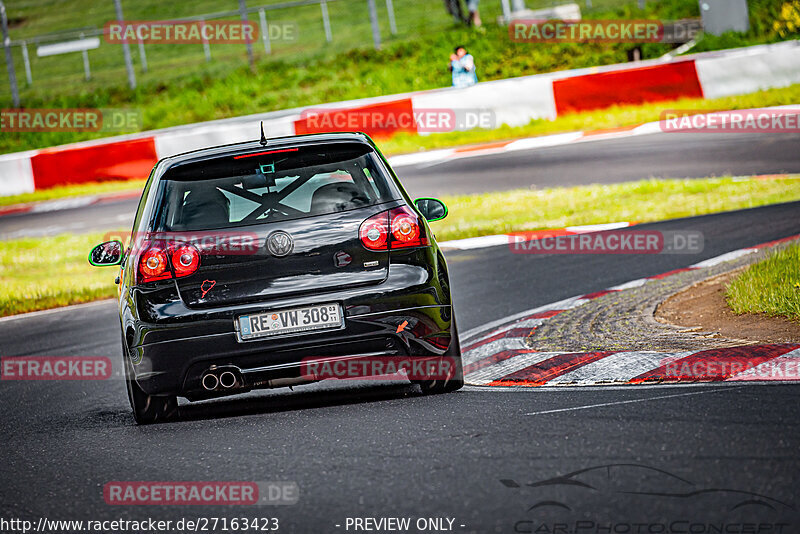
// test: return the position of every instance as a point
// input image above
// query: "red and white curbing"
(496, 354)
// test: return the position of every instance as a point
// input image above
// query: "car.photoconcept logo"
(640, 498)
(280, 244)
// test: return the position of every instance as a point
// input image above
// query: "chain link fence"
(60, 48)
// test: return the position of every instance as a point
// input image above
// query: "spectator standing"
(454, 8)
(462, 65)
(474, 17)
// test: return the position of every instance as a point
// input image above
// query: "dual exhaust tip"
(220, 379)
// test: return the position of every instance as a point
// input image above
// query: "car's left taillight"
(158, 261)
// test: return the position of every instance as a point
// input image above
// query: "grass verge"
(47, 272)
(771, 286)
(65, 277)
(641, 201)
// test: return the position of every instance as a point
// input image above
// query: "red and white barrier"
(653, 83)
(513, 102)
(16, 173)
(746, 70)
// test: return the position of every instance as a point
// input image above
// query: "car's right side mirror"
(432, 209)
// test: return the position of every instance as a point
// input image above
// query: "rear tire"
(456, 382)
(147, 409)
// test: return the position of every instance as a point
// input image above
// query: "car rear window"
(271, 185)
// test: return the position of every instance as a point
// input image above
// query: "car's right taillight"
(397, 228)
(406, 229)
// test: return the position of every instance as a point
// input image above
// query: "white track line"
(631, 401)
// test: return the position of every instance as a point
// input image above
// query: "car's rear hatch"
(326, 254)
(277, 222)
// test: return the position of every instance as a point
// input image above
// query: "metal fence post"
(373, 19)
(87, 71)
(206, 47)
(250, 58)
(27, 61)
(12, 75)
(262, 17)
(142, 56)
(126, 50)
(392, 22)
(506, 10)
(326, 23)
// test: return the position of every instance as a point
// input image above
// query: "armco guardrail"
(514, 101)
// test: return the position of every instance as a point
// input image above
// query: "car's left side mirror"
(432, 209)
(106, 254)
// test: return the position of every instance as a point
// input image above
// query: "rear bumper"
(172, 345)
(176, 366)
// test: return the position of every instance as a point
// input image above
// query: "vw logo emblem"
(279, 243)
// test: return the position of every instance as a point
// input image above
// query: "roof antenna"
(263, 137)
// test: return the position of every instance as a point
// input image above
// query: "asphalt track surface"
(684, 457)
(664, 155)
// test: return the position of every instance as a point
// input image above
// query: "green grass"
(40, 273)
(771, 286)
(74, 190)
(48, 272)
(641, 201)
(182, 88)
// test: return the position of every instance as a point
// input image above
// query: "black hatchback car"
(260, 264)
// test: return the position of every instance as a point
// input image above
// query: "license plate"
(294, 320)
